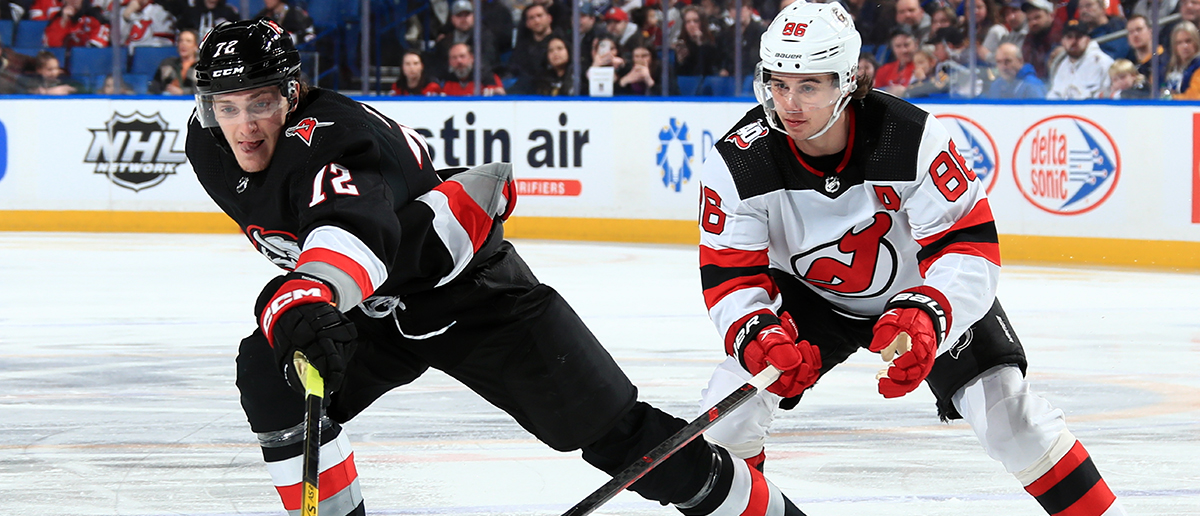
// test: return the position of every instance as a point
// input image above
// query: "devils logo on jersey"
(862, 263)
(305, 128)
(746, 135)
(278, 246)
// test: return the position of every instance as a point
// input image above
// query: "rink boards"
(1093, 183)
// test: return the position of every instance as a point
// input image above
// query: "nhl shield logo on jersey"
(862, 263)
(305, 129)
(746, 134)
(280, 247)
(1066, 165)
(975, 145)
(135, 151)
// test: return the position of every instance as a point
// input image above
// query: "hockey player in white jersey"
(835, 218)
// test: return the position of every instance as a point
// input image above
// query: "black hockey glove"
(296, 313)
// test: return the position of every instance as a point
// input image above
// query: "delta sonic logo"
(975, 145)
(135, 151)
(1066, 165)
(675, 153)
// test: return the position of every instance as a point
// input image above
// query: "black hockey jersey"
(898, 209)
(351, 197)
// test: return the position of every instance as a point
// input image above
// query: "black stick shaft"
(681, 438)
(312, 456)
(314, 393)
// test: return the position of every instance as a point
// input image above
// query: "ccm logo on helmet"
(794, 29)
(228, 71)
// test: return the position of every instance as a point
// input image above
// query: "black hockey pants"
(519, 345)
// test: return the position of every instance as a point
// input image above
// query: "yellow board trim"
(1112, 252)
(117, 221)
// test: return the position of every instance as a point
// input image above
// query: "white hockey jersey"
(898, 210)
(152, 26)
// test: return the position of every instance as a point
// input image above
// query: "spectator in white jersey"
(1083, 74)
(836, 218)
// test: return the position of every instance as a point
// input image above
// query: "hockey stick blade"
(314, 393)
(668, 447)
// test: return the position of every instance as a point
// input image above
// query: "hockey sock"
(340, 491)
(1071, 486)
(736, 489)
(758, 461)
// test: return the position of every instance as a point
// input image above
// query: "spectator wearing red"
(147, 24)
(43, 10)
(78, 24)
(460, 81)
(616, 21)
(414, 78)
(895, 76)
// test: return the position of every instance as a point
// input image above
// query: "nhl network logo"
(135, 151)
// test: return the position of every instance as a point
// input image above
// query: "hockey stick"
(314, 394)
(668, 447)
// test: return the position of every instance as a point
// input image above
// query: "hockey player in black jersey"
(835, 218)
(392, 270)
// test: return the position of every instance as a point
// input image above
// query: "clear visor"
(803, 93)
(230, 109)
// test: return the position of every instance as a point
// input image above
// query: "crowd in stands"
(1015, 49)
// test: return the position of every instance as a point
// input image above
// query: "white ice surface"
(117, 391)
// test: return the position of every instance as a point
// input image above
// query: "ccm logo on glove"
(293, 292)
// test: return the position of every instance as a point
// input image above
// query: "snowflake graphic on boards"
(675, 154)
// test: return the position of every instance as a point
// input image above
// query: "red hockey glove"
(909, 331)
(775, 343)
(295, 313)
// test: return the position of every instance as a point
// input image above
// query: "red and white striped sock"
(1068, 484)
(340, 491)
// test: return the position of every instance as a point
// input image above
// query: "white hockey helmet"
(807, 38)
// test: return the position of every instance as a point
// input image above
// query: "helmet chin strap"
(837, 113)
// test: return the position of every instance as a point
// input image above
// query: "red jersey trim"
(341, 262)
(989, 251)
(981, 213)
(732, 258)
(714, 295)
(845, 159)
(469, 214)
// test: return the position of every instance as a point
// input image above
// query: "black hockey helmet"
(244, 55)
